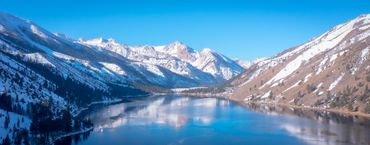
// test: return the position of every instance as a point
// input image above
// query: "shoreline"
(338, 111)
(72, 133)
(107, 102)
(227, 96)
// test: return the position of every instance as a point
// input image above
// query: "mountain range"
(37, 58)
(47, 77)
(330, 71)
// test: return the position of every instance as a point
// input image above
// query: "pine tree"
(18, 123)
(271, 96)
(25, 137)
(67, 117)
(7, 120)
(6, 141)
(18, 139)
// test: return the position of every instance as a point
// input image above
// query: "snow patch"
(113, 67)
(332, 85)
(296, 84)
(63, 56)
(266, 95)
(38, 58)
(318, 87)
(321, 65)
(36, 31)
(2, 28)
(333, 57)
(306, 77)
(364, 27)
(364, 54)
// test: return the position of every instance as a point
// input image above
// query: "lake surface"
(172, 120)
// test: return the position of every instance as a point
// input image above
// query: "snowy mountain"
(45, 76)
(247, 64)
(206, 66)
(36, 65)
(99, 61)
(329, 71)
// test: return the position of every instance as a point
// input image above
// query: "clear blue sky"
(245, 29)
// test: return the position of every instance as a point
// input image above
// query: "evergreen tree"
(18, 123)
(6, 141)
(25, 137)
(6, 102)
(67, 118)
(18, 138)
(7, 120)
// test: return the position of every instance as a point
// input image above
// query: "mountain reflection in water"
(163, 110)
(189, 120)
(327, 127)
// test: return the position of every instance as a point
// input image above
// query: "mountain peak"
(365, 16)
(177, 42)
(7, 16)
(207, 50)
(179, 47)
(100, 41)
(10, 22)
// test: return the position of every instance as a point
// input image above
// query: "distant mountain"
(329, 71)
(247, 64)
(205, 67)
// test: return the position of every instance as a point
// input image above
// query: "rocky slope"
(329, 71)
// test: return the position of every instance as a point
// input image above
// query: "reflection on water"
(322, 127)
(187, 120)
(174, 112)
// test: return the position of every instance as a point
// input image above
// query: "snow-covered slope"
(329, 71)
(206, 66)
(59, 67)
(100, 62)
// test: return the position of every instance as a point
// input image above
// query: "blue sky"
(245, 29)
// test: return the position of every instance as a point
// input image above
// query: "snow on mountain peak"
(207, 50)
(11, 22)
(244, 64)
(176, 56)
(178, 46)
(38, 32)
(364, 16)
(102, 42)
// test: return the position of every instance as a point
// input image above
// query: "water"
(171, 120)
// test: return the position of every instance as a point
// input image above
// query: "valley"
(50, 83)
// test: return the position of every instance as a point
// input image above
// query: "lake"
(174, 120)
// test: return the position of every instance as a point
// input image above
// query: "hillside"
(329, 71)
